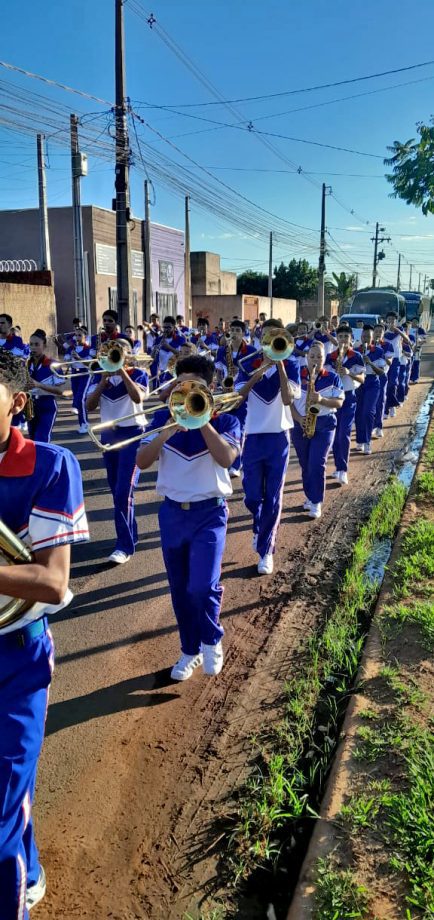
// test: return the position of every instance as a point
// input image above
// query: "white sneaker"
(119, 557)
(378, 432)
(266, 565)
(183, 669)
(367, 449)
(212, 659)
(336, 474)
(74, 411)
(255, 542)
(315, 510)
(392, 412)
(307, 505)
(342, 477)
(234, 474)
(359, 447)
(36, 892)
(82, 429)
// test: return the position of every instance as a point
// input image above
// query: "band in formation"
(207, 406)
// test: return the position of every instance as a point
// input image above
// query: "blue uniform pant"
(402, 378)
(44, 416)
(392, 401)
(265, 461)
(312, 455)
(241, 415)
(193, 543)
(341, 445)
(367, 397)
(381, 402)
(25, 677)
(123, 475)
(80, 386)
(415, 370)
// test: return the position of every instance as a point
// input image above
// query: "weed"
(418, 613)
(405, 692)
(429, 450)
(338, 895)
(416, 561)
(368, 715)
(425, 485)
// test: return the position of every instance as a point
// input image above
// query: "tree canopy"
(412, 165)
(296, 281)
(251, 282)
(342, 286)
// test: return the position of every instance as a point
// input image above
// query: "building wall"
(32, 306)
(245, 307)
(167, 246)
(207, 278)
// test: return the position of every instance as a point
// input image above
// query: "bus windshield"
(380, 302)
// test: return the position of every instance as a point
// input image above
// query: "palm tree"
(342, 286)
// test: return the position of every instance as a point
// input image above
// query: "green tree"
(251, 282)
(342, 287)
(412, 165)
(296, 281)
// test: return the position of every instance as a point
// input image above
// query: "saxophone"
(229, 380)
(312, 409)
(340, 360)
(29, 408)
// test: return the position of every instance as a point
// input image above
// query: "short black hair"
(345, 328)
(368, 328)
(202, 321)
(40, 334)
(237, 324)
(169, 320)
(6, 317)
(274, 323)
(13, 373)
(198, 365)
(76, 321)
(392, 313)
(112, 313)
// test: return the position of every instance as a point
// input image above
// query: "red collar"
(305, 373)
(20, 457)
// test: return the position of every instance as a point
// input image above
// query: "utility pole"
(378, 255)
(398, 277)
(270, 274)
(321, 264)
(418, 283)
(424, 283)
(187, 265)
(147, 251)
(43, 211)
(78, 169)
(122, 181)
(411, 275)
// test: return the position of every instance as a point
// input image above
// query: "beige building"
(29, 298)
(19, 239)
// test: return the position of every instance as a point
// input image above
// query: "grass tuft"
(338, 895)
(425, 485)
(416, 562)
(420, 613)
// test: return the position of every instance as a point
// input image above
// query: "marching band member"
(369, 392)
(227, 365)
(167, 343)
(321, 389)
(302, 343)
(388, 358)
(269, 393)
(193, 478)
(180, 325)
(47, 387)
(350, 367)
(211, 340)
(136, 344)
(395, 336)
(41, 500)
(405, 366)
(8, 337)
(79, 379)
(109, 332)
(322, 334)
(418, 337)
(119, 394)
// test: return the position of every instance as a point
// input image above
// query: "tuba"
(12, 552)
(312, 410)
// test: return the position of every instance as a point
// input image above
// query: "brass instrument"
(312, 409)
(191, 405)
(29, 408)
(276, 344)
(12, 552)
(340, 360)
(229, 381)
(111, 357)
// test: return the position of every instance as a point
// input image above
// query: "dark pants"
(367, 397)
(123, 475)
(193, 543)
(44, 416)
(265, 461)
(392, 401)
(341, 445)
(79, 386)
(381, 402)
(312, 455)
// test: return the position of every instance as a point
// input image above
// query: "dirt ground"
(137, 771)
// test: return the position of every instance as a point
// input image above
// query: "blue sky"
(245, 48)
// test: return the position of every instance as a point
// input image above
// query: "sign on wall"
(105, 260)
(137, 264)
(166, 274)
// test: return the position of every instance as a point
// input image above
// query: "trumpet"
(191, 405)
(276, 344)
(110, 358)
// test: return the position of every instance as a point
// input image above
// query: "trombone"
(191, 405)
(110, 358)
(276, 344)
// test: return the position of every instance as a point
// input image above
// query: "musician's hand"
(315, 398)
(344, 372)
(33, 383)
(263, 368)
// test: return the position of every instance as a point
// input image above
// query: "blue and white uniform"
(122, 472)
(79, 384)
(13, 343)
(345, 416)
(369, 393)
(418, 337)
(395, 340)
(41, 500)
(220, 364)
(313, 452)
(102, 337)
(322, 337)
(302, 343)
(163, 355)
(193, 522)
(405, 366)
(388, 353)
(44, 404)
(266, 449)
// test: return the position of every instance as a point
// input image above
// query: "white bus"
(379, 302)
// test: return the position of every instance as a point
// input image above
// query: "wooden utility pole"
(187, 266)
(147, 251)
(122, 181)
(322, 252)
(398, 277)
(270, 274)
(44, 235)
(78, 169)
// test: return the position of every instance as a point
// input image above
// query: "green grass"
(294, 754)
(425, 485)
(338, 896)
(429, 450)
(419, 613)
(416, 561)
(406, 691)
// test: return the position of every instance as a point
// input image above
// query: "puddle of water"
(376, 564)
(410, 459)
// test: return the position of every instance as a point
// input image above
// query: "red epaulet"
(304, 373)
(350, 353)
(46, 361)
(333, 355)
